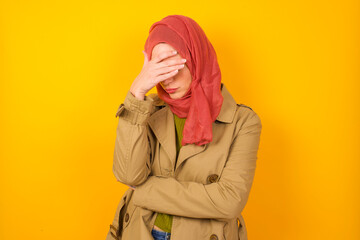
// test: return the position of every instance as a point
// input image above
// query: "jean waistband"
(166, 235)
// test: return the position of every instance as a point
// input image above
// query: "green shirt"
(164, 221)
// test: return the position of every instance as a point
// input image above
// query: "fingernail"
(175, 52)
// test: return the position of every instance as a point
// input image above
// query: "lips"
(171, 90)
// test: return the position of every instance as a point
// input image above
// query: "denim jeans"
(159, 235)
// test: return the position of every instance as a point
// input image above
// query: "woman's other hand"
(132, 187)
(155, 71)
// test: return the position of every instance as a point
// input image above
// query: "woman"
(188, 152)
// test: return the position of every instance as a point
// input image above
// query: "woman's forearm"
(132, 153)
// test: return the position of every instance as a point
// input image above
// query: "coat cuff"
(135, 110)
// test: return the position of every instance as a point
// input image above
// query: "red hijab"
(202, 102)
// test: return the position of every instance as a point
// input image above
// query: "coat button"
(213, 237)
(212, 178)
(126, 217)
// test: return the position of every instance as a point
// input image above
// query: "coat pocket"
(121, 214)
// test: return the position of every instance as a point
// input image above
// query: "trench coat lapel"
(163, 126)
(188, 151)
(226, 115)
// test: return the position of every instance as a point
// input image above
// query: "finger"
(168, 69)
(164, 55)
(131, 187)
(169, 62)
(146, 60)
(161, 78)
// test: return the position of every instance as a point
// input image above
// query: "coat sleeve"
(133, 144)
(221, 200)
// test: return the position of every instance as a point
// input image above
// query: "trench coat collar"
(163, 126)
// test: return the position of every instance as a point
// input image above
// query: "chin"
(175, 96)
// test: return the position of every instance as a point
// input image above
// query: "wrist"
(137, 95)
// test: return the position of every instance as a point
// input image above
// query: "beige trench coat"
(207, 189)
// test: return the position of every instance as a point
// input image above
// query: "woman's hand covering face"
(154, 71)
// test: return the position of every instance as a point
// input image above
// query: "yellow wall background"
(65, 67)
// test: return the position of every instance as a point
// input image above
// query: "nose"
(166, 82)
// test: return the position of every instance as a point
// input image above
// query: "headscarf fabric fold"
(202, 103)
